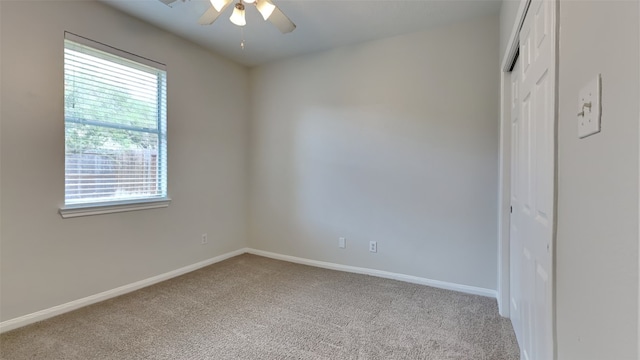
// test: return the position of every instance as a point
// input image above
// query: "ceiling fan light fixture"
(249, 1)
(265, 7)
(218, 4)
(238, 15)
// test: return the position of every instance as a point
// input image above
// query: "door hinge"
(511, 209)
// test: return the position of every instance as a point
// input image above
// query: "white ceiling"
(322, 24)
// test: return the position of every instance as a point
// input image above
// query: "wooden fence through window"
(111, 174)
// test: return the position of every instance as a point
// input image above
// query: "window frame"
(123, 205)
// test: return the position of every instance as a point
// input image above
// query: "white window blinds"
(115, 125)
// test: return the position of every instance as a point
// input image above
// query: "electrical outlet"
(373, 246)
(204, 239)
(342, 243)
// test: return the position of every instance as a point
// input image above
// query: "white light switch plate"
(589, 117)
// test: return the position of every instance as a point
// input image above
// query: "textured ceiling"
(322, 24)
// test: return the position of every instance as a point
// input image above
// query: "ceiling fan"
(266, 8)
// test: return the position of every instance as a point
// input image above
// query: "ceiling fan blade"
(168, 2)
(281, 21)
(212, 14)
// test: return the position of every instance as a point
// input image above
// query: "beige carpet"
(251, 307)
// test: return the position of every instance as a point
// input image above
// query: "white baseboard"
(76, 304)
(502, 311)
(379, 273)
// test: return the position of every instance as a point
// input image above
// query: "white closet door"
(534, 177)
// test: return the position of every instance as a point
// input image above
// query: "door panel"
(544, 184)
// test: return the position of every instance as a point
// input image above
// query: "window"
(115, 127)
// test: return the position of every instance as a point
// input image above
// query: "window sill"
(77, 210)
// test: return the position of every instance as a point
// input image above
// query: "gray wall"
(597, 241)
(508, 12)
(47, 261)
(394, 140)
